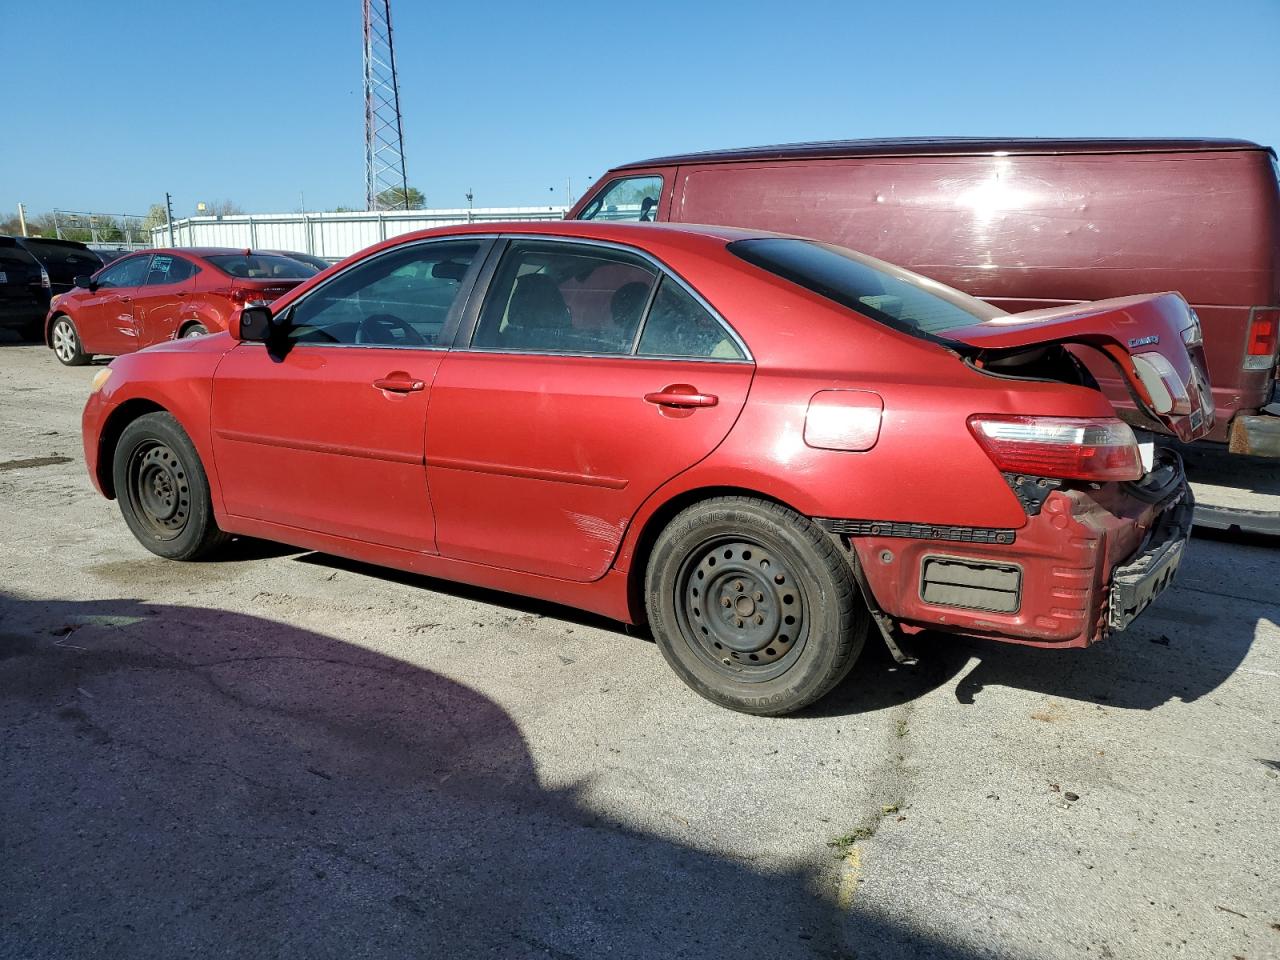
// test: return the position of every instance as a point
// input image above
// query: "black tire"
(163, 490)
(65, 340)
(753, 606)
(195, 330)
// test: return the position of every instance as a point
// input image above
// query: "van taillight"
(1068, 448)
(1260, 348)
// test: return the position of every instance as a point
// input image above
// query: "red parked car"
(157, 295)
(761, 445)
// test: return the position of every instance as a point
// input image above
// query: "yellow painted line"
(850, 876)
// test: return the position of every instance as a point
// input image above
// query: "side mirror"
(84, 283)
(254, 325)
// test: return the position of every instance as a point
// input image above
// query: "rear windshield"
(895, 297)
(262, 266)
(64, 259)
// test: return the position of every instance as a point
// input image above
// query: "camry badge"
(1144, 341)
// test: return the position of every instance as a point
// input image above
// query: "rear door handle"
(399, 383)
(681, 395)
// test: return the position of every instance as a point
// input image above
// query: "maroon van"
(1023, 224)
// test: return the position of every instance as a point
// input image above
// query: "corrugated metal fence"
(330, 235)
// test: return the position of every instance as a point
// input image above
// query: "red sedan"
(157, 295)
(762, 446)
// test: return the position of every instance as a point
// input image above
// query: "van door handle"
(399, 383)
(681, 395)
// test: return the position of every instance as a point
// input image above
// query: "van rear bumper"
(1086, 566)
(1257, 436)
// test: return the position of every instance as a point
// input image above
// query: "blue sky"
(259, 101)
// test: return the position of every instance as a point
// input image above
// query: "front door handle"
(681, 395)
(399, 383)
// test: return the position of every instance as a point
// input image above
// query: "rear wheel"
(163, 490)
(752, 605)
(66, 343)
(195, 330)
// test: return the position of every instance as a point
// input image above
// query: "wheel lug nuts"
(738, 586)
(724, 602)
(759, 620)
(759, 597)
(738, 622)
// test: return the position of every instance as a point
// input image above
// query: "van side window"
(632, 198)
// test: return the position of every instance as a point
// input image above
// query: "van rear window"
(891, 295)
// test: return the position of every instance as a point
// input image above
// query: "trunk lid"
(249, 291)
(1153, 339)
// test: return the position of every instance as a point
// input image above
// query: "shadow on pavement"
(187, 782)
(1133, 670)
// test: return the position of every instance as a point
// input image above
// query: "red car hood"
(1154, 340)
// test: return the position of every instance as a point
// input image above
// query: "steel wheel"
(743, 609)
(158, 489)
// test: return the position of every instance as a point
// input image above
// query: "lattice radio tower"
(383, 130)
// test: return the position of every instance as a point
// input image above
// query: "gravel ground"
(283, 754)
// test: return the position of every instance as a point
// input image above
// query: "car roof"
(623, 232)
(949, 147)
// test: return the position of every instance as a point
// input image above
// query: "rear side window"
(169, 269)
(565, 298)
(632, 198)
(679, 326)
(262, 266)
(895, 297)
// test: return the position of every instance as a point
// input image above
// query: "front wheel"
(66, 343)
(163, 490)
(753, 606)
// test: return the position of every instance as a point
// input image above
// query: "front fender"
(174, 377)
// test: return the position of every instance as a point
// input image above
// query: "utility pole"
(22, 218)
(470, 197)
(168, 216)
(384, 170)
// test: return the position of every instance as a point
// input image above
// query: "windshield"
(895, 297)
(262, 266)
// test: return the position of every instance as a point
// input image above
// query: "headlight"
(100, 379)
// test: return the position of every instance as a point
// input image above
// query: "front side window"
(896, 297)
(402, 299)
(127, 273)
(565, 298)
(166, 269)
(632, 198)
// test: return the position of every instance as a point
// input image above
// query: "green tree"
(393, 198)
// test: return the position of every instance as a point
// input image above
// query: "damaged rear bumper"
(1087, 565)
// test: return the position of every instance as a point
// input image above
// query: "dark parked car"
(759, 444)
(34, 269)
(1023, 224)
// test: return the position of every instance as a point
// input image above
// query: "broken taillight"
(1260, 347)
(1068, 448)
